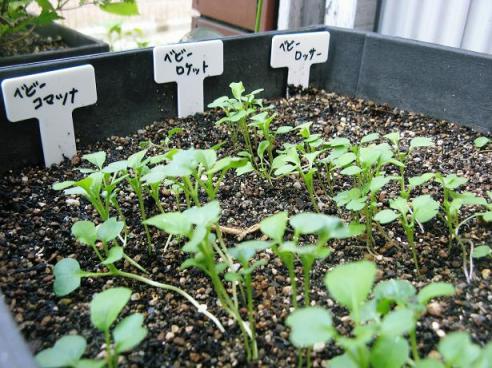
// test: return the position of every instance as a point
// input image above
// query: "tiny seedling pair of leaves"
(181, 223)
(67, 352)
(356, 198)
(104, 310)
(67, 272)
(423, 209)
(324, 226)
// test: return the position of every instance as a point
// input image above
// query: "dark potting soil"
(35, 226)
(30, 43)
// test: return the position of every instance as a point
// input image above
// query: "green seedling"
(453, 201)
(194, 170)
(104, 309)
(67, 352)
(323, 227)
(164, 144)
(266, 138)
(291, 161)
(380, 324)
(403, 155)
(410, 213)
(480, 251)
(68, 274)
(338, 157)
(100, 186)
(364, 201)
(481, 142)
(365, 163)
(209, 254)
(238, 110)
(458, 351)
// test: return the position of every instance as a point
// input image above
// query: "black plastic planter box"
(78, 44)
(442, 82)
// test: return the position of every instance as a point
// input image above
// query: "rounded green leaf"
(400, 204)
(342, 361)
(274, 226)
(378, 182)
(105, 306)
(96, 158)
(481, 251)
(172, 223)
(237, 89)
(67, 276)
(204, 216)
(129, 333)
(66, 352)
(344, 160)
(481, 142)
(63, 185)
(309, 326)
(351, 283)
(452, 181)
(425, 208)
(398, 291)
(415, 181)
(393, 137)
(435, 290)
(109, 229)
(369, 138)
(339, 142)
(398, 322)
(115, 254)
(85, 232)
(244, 251)
(421, 142)
(458, 350)
(135, 160)
(386, 216)
(389, 352)
(115, 167)
(307, 223)
(284, 129)
(351, 170)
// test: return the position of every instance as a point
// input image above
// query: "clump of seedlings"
(384, 316)
(68, 274)
(381, 324)
(410, 213)
(208, 252)
(104, 310)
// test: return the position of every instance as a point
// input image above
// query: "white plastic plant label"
(188, 64)
(51, 97)
(297, 52)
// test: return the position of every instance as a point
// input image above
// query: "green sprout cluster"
(350, 175)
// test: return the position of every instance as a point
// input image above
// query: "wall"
(465, 24)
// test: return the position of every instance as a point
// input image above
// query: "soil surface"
(35, 226)
(30, 43)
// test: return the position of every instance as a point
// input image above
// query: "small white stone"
(72, 202)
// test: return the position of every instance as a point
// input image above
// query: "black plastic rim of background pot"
(78, 44)
(442, 82)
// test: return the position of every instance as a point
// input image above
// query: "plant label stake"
(297, 52)
(51, 97)
(188, 64)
